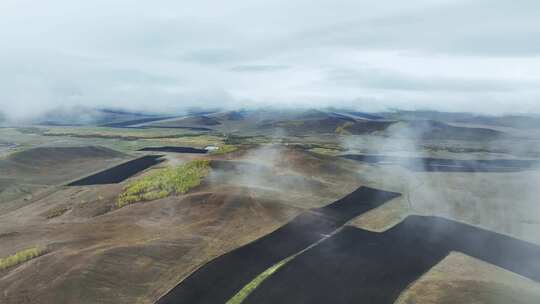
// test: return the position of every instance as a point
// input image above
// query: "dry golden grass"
(462, 279)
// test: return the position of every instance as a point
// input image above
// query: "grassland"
(342, 130)
(291, 123)
(20, 257)
(325, 151)
(117, 133)
(168, 135)
(120, 139)
(231, 139)
(164, 182)
(224, 149)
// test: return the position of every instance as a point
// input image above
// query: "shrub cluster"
(20, 257)
(164, 182)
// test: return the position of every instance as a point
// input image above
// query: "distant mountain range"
(301, 122)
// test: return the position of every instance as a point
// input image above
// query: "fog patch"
(265, 171)
(505, 202)
(261, 168)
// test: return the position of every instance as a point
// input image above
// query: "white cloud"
(449, 55)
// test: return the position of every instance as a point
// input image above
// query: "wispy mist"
(505, 202)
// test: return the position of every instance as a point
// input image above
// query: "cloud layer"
(165, 55)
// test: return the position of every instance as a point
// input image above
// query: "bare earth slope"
(99, 254)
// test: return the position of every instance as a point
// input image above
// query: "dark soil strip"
(175, 149)
(9, 234)
(223, 277)
(179, 127)
(448, 165)
(359, 266)
(58, 124)
(119, 173)
(134, 122)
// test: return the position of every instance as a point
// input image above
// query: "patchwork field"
(280, 212)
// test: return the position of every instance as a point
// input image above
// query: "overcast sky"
(166, 55)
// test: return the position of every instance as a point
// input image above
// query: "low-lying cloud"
(171, 55)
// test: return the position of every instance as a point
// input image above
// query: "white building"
(211, 148)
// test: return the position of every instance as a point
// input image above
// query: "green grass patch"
(224, 149)
(164, 182)
(21, 257)
(240, 296)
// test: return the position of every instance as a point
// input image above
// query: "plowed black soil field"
(179, 127)
(119, 173)
(359, 266)
(175, 149)
(134, 122)
(223, 277)
(448, 165)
